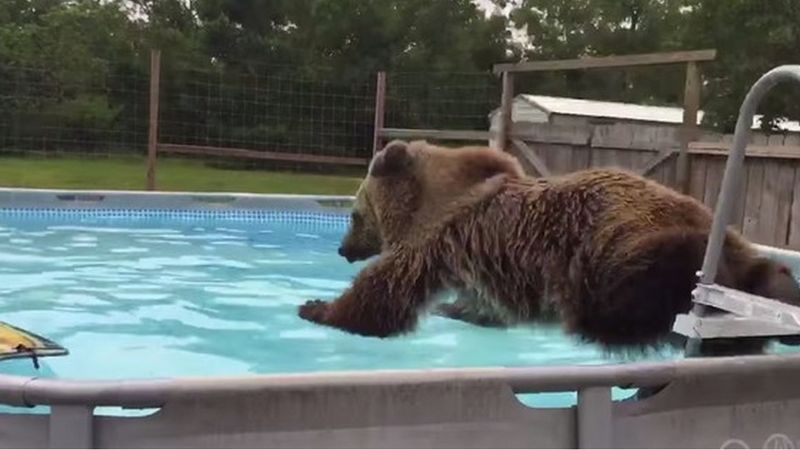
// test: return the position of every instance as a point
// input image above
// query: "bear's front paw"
(313, 311)
(449, 310)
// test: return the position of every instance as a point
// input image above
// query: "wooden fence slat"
(697, 178)
(710, 136)
(648, 137)
(667, 171)
(581, 157)
(651, 164)
(715, 167)
(617, 136)
(642, 59)
(737, 216)
(547, 155)
(752, 207)
(794, 221)
(617, 158)
(779, 177)
(551, 134)
(456, 135)
(560, 159)
(785, 185)
(755, 215)
(200, 150)
(531, 157)
(630, 159)
(753, 150)
(775, 140)
(604, 157)
(768, 215)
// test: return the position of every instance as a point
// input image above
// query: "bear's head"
(772, 279)
(411, 186)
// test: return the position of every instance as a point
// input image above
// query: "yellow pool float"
(18, 343)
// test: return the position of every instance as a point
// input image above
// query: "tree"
(564, 29)
(60, 59)
(751, 37)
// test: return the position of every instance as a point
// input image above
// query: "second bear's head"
(412, 186)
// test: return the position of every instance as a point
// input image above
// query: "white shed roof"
(616, 110)
(619, 110)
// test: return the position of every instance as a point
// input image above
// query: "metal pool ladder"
(736, 314)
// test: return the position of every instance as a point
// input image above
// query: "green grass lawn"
(172, 175)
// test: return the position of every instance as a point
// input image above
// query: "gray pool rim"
(149, 393)
(48, 199)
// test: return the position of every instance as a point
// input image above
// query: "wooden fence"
(768, 208)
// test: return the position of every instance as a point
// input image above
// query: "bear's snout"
(347, 254)
(353, 253)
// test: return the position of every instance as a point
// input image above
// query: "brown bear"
(611, 254)
(456, 176)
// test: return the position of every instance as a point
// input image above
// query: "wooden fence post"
(689, 130)
(152, 138)
(380, 111)
(506, 119)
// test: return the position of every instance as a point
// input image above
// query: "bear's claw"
(313, 310)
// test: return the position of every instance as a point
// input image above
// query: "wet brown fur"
(612, 255)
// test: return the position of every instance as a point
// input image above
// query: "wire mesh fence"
(441, 100)
(268, 117)
(285, 113)
(58, 114)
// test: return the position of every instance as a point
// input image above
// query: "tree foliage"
(751, 37)
(77, 70)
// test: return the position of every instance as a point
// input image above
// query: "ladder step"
(738, 314)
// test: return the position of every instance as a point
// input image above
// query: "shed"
(576, 112)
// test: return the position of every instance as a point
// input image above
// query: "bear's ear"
(393, 159)
(486, 164)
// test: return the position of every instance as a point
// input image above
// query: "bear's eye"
(355, 217)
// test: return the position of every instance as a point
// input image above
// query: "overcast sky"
(520, 36)
(487, 6)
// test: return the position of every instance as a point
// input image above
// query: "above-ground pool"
(174, 293)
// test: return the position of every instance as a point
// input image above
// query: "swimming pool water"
(160, 297)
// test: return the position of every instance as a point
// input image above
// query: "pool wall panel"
(455, 414)
(24, 431)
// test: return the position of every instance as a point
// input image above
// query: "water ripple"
(176, 299)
